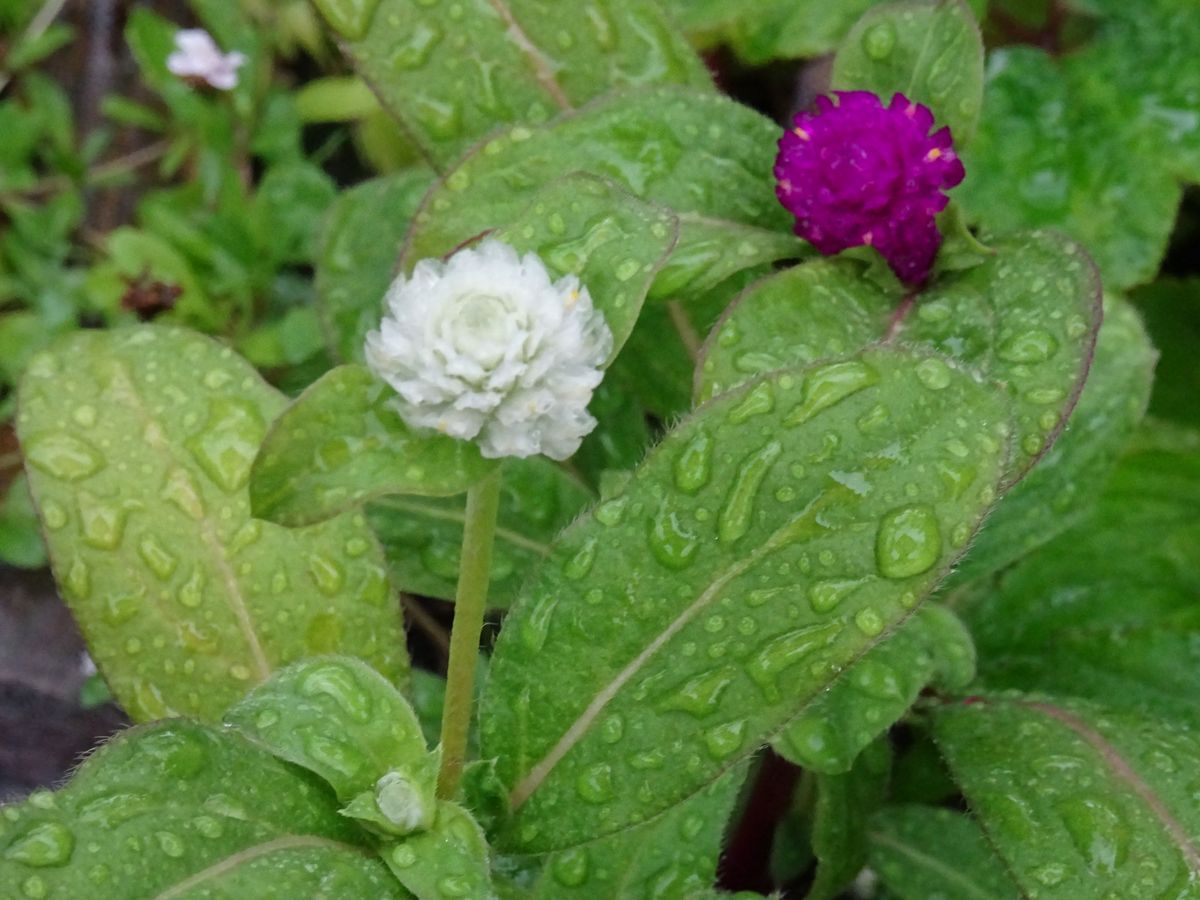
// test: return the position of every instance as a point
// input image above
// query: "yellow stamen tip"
(801, 133)
(933, 154)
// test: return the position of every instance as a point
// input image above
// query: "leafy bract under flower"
(856, 173)
(486, 346)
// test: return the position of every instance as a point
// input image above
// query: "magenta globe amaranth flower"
(856, 173)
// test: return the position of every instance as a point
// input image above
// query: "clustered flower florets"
(487, 347)
(856, 173)
(197, 57)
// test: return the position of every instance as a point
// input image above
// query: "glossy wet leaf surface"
(928, 50)
(877, 690)
(844, 803)
(451, 77)
(671, 632)
(1108, 609)
(1027, 318)
(445, 862)
(614, 243)
(692, 152)
(923, 852)
(1064, 483)
(360, 242)
(340, 719)
(183, 811)
(1095, 143)
(139, 445)
(672, 857)
(342, 442)
(422, 536)
(1080, 801)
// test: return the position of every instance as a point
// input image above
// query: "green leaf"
(356, 260)
(423, 535)
(1100, 138)
(449, 81)
(693, 152)
(670, 633)
(921, 852)
(1107, 610)
(337, 717)
(1027, 318)
(21, 542)
(1171, 309)
(286, 209)
(1079, 800)
(928, 50)
(840, 820)
(1063, 484)
(616, 244)
(672, 858)
(933, 646)
(178, 810)
(450, 859)
(139, 444)
(341, 443)
(621, 436)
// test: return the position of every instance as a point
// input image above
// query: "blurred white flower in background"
(197, 57)
(87, 665)
(487, 347)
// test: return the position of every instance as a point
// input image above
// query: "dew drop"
(786, 651)
(693, 466)
(64, 456)
(909, 541)
(1034, 346)
(879, 40)
(571, 867)
(53, 514)
(701, 695)
(672, 544)
(191, 593)
(737, 513)
(180, 490)
(340, 685)
(724, 740)
(169, 843)
(1098, 831)
(157, 558)
(823, 596)
(334, 754)
(326, 573)
(226, 445)
(404, 856)
(869, 621)
(536, 626)
(580, 564)
(610, 513)
(829, 385)
(44, 845)
(759, 401)
(350, 18)
(934, 374)
(595, 783)
(612, 729)
(814, 744)
(78, 581)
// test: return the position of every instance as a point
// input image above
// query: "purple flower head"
(855, 173)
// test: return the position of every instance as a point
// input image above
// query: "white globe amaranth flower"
(198, 57)
(488, 347)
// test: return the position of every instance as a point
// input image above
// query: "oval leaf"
(139, 445)
(342, 443)
(671, 632)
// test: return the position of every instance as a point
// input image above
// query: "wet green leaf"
(139, 444)
(844, 803)
(1080, 801)
(1027, 317)
(928, 50)
(357, 258)
(342, 443)
(923, 852)
(338, 718)
(671, 632)
(1107, 610)
(616, 244)
(692, 152)
(1063, 484)
(672, 858)
(423, 535)
(1095, 142)
(448, 860)
(450, 80)
(178, 810)
(871, 696)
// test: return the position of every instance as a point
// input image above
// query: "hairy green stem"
(470, 603)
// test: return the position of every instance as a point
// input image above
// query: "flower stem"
(470, 602)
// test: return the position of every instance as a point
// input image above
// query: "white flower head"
(487, 347)
(198, 57)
